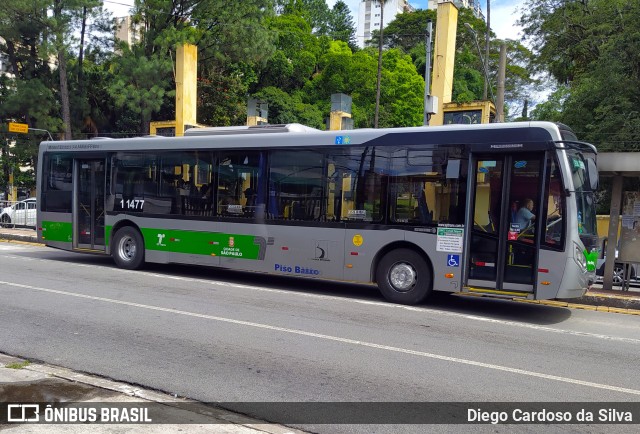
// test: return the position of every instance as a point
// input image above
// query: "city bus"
(411, 210)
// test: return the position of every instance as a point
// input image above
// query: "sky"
(504, 13)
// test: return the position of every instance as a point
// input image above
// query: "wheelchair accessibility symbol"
(453, 260)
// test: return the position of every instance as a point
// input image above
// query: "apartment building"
(369, 14)
(474, 5)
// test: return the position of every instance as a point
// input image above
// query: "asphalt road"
(221, 336)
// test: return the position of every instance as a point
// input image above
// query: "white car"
(20, 214)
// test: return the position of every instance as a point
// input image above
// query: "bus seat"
(297, 211)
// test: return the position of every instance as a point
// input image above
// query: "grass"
(17, 365)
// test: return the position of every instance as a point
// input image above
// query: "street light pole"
(484, 63)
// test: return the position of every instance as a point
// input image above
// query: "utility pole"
(502, 66)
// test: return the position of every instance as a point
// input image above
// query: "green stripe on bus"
(57, 231)
(202, 243)
(176, 241)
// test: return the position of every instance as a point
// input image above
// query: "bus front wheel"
(128, 248)
(404, 277)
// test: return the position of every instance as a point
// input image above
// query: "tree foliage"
(591, 49)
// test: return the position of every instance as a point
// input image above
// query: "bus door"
(504, 237)
(88, 204)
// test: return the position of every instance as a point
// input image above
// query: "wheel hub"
(127, 249)
(402, 277)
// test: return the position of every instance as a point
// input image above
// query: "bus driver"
(525, 216)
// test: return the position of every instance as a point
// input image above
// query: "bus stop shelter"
(616, 165)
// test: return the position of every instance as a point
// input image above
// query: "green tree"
(142, 84)
(354, 74)
(285, 108)
(406, 31)
(341, 25)
(552, 108)
(591, 47)
(315, 12)
(294, 62)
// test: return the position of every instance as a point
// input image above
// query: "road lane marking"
(382, 304)
(355, 342)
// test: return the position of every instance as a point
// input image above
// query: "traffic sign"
(15, 127)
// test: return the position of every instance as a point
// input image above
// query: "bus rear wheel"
(128, 248)
(404, 277)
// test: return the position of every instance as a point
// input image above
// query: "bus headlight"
(578, 256)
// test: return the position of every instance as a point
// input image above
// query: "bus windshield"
(585, 183)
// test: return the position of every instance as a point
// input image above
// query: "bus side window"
(297, 185)
(239, 189)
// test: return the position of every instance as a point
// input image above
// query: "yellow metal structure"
(162, 128)
(445, 51)
(186, 95)
(186, 87)
(474, 112)
(256, 120)
(335, 119)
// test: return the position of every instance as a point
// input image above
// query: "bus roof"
(500, 135)
(253, 129)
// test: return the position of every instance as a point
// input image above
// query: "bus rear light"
(449, 275)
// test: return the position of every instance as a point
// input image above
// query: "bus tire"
(404, 277)
(128, 248)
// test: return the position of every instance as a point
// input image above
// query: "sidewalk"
(596, 298)
(19, 234)
(40, 384)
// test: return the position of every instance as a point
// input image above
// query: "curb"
(214, 416)
(19, 237)
(596, 306)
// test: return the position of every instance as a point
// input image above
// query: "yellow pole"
(12, 190)
(445, 52)
(186, 86)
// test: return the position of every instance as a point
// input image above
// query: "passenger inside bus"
(524, 217)
(421, 212)
(250, 201)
